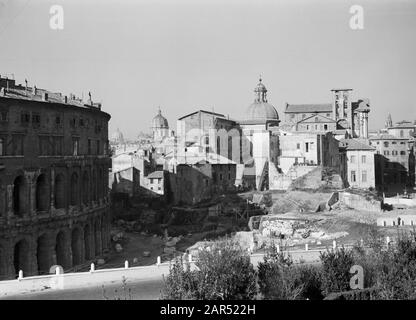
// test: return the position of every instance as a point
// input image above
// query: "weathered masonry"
(53, 180)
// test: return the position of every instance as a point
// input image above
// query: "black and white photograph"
(211, 150)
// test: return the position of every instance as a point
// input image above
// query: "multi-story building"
(343, 117)
(357, 163)
(394, 163)
(53, 180)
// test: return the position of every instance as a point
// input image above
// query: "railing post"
(306, 247)
(92, 269)
(20, 275)
(126, 264)
(158, 260)
(57, 271)
(334, 244)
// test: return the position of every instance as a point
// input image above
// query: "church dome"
(160, 121)
(117, 137)
(260, 109)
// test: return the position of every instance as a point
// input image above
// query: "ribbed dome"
(160, 121)
(261, 110)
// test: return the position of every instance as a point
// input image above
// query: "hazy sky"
(207, 54)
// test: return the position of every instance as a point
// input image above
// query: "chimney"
(45, 96)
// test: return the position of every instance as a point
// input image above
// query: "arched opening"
(86, 188)
(42, 193)
(21, 257)
(43, 255)
(61, 250)
(59, 191)
(19, 195)
(98, 240)
(87, 242)
(74, 189)
(94, 185)
(76, 246)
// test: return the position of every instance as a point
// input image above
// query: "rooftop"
(386, 136)
(155, 175)
(355, 144)
(308, 108)
(9, 89)
(203, 111)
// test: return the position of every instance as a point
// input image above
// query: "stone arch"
(21, 257)
(85, 188)
(76, 246)
(60, 199)
(87, 242)
(74, 189)
(19, 195)
(43, 254)
(97, 235)
(61, 250)
(42, 193)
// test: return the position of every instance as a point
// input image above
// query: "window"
(298, 146)
(303, 116)
(58, 120)
(57, 144)
(17, 144)
(151, 181)
(386, 144)
(72, 123)
(220, 176)
(35, 120)
(325, 127)
(2, 147)
(206, 140)
(363, 159)
(307, 147)
(292, 116)
(353, 176)
(98, 146)
(307, 127)
(401, 133)
(364, 176)
(89, 146)
(25, 118)
(75, 146)
(352, 159)
(386, 152)
(316, 119)
(4, 116)
(402, 153)
(44, 146)
(81, 122)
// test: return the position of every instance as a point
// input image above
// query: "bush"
(225, 272)
(336, 265)
(280, 279)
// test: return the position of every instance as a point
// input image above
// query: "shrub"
(225, 272)
(336, 265)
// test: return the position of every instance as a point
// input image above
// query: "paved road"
(140, 290)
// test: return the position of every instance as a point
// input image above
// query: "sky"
(183, 55)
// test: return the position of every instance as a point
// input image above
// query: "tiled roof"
(386, 136)
(355, 144)
(321, 118)
(308, 108)
(403, 124)
(155, 175)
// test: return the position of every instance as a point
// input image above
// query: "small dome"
(261, 110)
(160, 121)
